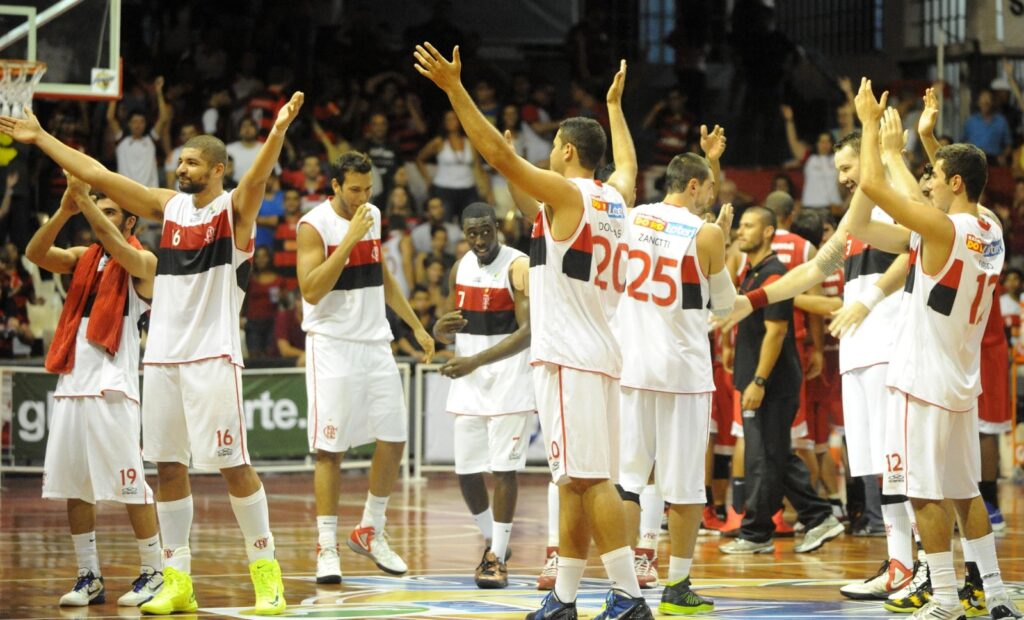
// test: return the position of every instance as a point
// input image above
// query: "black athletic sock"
(989, 492)
(709, 497)
(739, 494)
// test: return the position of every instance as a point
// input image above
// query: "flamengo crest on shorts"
(354, 308)
(662, 321)
(484, 295)
(936, 354)
(575, 284)
(200, 284)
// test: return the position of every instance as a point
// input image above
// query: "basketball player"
(931, 449)
(675, 271)
(865, 325)
(192, 367)
(355, 391)
(93, 449)
(574, 289)
(491, 395)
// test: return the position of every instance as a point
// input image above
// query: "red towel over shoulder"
(107, 316)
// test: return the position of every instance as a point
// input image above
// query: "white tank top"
(575, 284)
(354, 308)
(937, 352)
(455, 168)
(484, 295)
(392, 250)
(95, 372)
(662, 320)
(871, 343)
(200, 284)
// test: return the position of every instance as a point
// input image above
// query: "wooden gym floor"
(431, 528)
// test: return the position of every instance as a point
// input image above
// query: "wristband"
(871, 297)
(758, 298)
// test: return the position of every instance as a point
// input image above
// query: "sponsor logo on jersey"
(669, 228)
(986, 249)
(613, 209)
(222, 452)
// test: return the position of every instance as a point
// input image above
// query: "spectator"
(264, 106)
(136, 151)
(1009, 301)
(438, 251)
(185, 133)
(486, 99)
(261, 299)
(399, 254)
(586, 104)
(291, 340)
(821, 180)
(18, 284)
(285, 246)
(424, 304)
(334, 142)
(421, 235)
(459, 176)
(406, 125)
(245, 149)
(432, 276)
(310, 181)
(215, 116)
(537, 113)
(400, 203)
(989, 131)
(382, 152)
(673, 125)
(270, 212)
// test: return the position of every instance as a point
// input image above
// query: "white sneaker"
(921, 575)
(1002, 607)
(145, 587)
(891, 577)
(328, 565)
(546, 579)
(646, 572)
(819, 535)
(933, 610)
(88, 590)
(365, 541)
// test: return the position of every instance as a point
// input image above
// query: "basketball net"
(18, 81)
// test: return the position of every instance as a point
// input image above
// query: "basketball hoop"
(18, 80)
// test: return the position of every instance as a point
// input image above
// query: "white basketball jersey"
(937, 353)
(200, 284)
(483, 293)
(662, 320)
(354, 308)
(872, 342)
(95, 372)
(575, 284)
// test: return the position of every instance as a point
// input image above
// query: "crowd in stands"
(182, 78)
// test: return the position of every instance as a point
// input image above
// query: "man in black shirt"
(767, 374)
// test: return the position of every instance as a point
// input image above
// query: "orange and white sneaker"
(374, 545)
(891, 577)
(711, 523)
(645, 565)
(546, 579)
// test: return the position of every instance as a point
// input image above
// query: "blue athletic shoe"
(995, 516)
(619, 606)
(553, 609)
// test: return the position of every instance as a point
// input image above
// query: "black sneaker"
(553, 609)
(972, 594)
(677, 599)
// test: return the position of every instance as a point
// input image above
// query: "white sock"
(149, 553)
(175, 525)
(553, 518)
(968, 550)
(327, 532)
(619, 566)
(943, 575)
(570, 571)
(85, 552)
(652, 507)
(485, 521)
(984, 551)
(373, 512)
(899, 534)
(913, 520)
(502, 533)
(678, 568)
(253, 516)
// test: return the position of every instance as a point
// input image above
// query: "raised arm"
(796, 147)
(112, 122)
(162, 127)
(5, 203)
(136, 198)
(141, 264)
(511, 344)
(894, 140)
(40, 249)
(623, 151)
(932, 224)
(926, 124)
(713, 145)
(252, 188)
(544, 185)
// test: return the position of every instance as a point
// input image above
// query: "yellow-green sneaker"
(266, 580)
(176, 595)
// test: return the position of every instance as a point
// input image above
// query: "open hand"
(614, 96)
(724, 221)
(929, 115)
(287, 114)
(891, 134)
(869, 109)
(426, 343)
(25, 130)
(741, 309)
(846, 319)
(713, 143)
(433, 66)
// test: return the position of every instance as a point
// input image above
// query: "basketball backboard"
(79, 40)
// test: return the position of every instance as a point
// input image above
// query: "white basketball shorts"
(579, 416)
(92, 452)
(355, 394)
(667, 433)
(865, 408)
(491, 442)
(193, 412)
